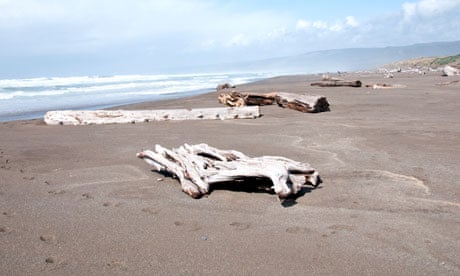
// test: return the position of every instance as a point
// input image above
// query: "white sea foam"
(19, 97)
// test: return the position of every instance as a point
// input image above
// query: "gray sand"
(76, 200)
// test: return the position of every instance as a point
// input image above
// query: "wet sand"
(74, 200)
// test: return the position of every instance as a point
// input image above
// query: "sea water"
(32, 98)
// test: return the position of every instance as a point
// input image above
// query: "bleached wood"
(300, 102)
(337, 83)
(450, 71)
(303, 103)
(384, 86)
(199, 166)
(245, 99)
(86, 117)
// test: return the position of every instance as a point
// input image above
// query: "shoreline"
(76, 200)
(31, 98)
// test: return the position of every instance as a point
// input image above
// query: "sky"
(84, 37)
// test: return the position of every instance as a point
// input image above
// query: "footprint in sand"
(49, 239)
(5, 230)
(297, 230)
(150, 211)
(108, 204)
(8, 214)
(55, 261)
(117, 265)
(5, 166)
(341, 227)
(87, 196)
(191, 226)
(240, 225)
(56, 192)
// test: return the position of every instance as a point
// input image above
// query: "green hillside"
(432, 62)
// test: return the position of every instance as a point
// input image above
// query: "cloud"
(303, 24)
(351, 21)
(428, 8)
(208, 30)
(337, 26)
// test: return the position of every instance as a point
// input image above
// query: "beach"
(75, 200)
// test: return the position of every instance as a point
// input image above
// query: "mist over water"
(31, 98)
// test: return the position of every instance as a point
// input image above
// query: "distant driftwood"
(223, 86)
(86, 117)
(200, 166)
(450, 71)
(384, 86)
(303, 103)
(337, 83)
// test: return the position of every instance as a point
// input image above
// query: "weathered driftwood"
(85, 117)
(303, 103)
(337, 83)
(449, 71)
(329, 78)
(224, 86)
(199, 166)
(244, 99)
(384, 86)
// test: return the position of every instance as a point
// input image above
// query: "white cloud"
(239, 40)
(303, 24)
(337, 26)
(428, 8)
(209, 29)
(351, 21)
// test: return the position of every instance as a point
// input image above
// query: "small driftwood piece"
(302, 103)
(384, 86)
(199, 166)
(337, 83)
(86, 117)
(223, 86)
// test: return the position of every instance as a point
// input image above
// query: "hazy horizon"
(64, 38)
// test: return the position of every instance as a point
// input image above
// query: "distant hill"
(427, 62)
(351, 59)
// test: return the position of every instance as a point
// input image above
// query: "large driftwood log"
(244, 99)
(199, 166)
(85, 117)
(303, 103)
(337, 83)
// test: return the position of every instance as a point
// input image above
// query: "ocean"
(31, 98)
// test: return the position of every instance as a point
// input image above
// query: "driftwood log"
(199, 166)
(245, 99)
(384, 86)
(449, 71)
(337, 83)
(303, 103)
(86, 117)
(222, 86)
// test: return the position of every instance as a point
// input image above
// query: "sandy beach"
(75, 200)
